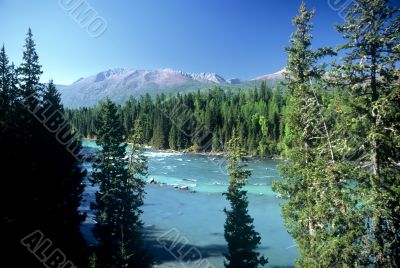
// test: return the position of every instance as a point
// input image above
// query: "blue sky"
(235, 38)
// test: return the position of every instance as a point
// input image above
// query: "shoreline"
(211, 154)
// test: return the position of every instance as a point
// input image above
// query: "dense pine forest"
(42, 180)
(201, 121)
(336, 125)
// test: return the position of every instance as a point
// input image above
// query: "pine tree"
(29, 72)
(137, 137)
(8, 89)
(265, 92)
(216, 142)
(172, 138)
(302, 59)
(159, 138)
(51, 99)
(6, 86)
(45, 189)
(369, 76)
(14, 90)
(239, 229)
(120, 195)
(321, 212)
(65, 178)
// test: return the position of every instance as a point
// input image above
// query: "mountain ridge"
(119, 84)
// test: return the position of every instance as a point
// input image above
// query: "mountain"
(121, 83)
(274, 76)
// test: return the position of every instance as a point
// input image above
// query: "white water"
(196, 220)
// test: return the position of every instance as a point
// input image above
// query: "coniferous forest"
(333, 122)
(201, 121)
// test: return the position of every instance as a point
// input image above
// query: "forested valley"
(201, 121)
(334, 121)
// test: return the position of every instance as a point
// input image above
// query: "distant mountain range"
(122, 83)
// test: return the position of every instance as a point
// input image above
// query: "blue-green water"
(182, 225)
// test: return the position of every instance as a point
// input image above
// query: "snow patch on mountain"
(274, 76)
(120, 84)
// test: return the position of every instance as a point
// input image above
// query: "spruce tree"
(137, 136)
(239, 232)
(65, 177)
(6, 87)
(30, 71)
(172, 138)
(321, 212)
(159, 140)
(52, 99)
(120, 195)
(43, 180)
(216, 142)
(369, 76)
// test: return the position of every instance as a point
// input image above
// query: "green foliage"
(239, 229)
(159, 139)
(51, 100)
(137, 136)
(173, 138)
(120, 195)
(341, 177)
(369, 76)
(30, 71)
(8, 85)
(339, 131)
(204, 119)
(319, 213)
(301, 66)
(93, 260)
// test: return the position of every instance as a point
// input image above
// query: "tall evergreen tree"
(52, 99)
(137, 136)
(369, 76)
(159, 138)
(173, 137)
(321, 210)
(239, 229)
(120, 195)
(65, 186)
(30, 71)
(6, 87)
(43, 181)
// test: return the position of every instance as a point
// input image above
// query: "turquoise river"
(183, 212)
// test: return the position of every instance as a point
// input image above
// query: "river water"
(185, 228)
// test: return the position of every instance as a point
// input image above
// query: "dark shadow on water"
(170, 245)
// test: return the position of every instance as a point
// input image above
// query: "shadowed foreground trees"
(120, 195)
(41, 179)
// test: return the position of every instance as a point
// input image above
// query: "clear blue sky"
(235, 38)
